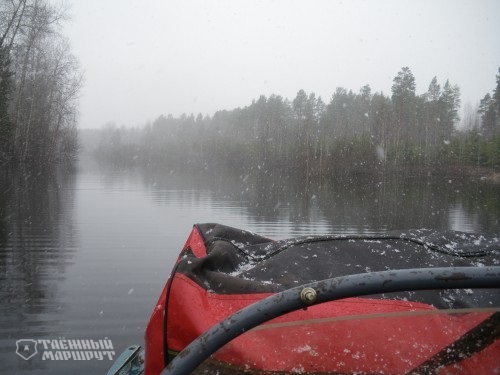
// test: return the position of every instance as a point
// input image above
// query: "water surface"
(84, 255)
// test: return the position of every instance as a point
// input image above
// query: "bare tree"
(46, 79)
(470, 118)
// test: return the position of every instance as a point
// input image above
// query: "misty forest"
(352, 132)
(40, 82)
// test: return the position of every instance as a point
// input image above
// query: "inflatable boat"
(412, 302)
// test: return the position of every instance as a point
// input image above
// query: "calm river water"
(84, 255)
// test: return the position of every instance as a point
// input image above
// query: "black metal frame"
(323, 291)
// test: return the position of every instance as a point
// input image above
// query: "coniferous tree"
(404, 104)
(450, 104)
(496, 98)
(431, 115)
(489, 109)
(488, 115)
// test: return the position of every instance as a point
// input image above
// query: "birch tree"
(39, 98)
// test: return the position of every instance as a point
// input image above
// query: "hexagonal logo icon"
(26, 348)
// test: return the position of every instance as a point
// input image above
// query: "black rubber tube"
(328, 290)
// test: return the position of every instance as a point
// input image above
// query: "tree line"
(39, 85)
(353, 131)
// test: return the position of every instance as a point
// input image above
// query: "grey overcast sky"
(145, 58)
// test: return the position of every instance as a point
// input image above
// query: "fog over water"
(84, 255)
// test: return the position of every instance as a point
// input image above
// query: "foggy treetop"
(359, 130)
